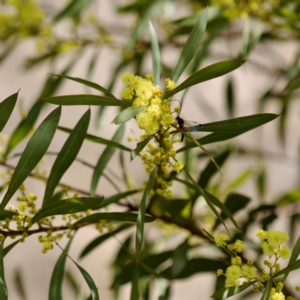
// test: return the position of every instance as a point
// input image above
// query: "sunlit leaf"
(56, 282)
(230, 291)
(103, 237)
(191, 45)
(68, 206)
(113, 216)
(140, 146)
(66, 156)
(88, 83)
(128, 113)
(86, 99)
(210, 72)
(3, 287)
(6, 108)
(155, 54)
(104, 159)
(141, 215)
(33, 153)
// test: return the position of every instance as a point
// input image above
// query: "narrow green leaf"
(113, 199)
(230, 291)
(293, 258)
(238, 124)
(9, 247)
(6, 108)
(3, 287)
(33, 153)
(97, 139)
(211, 169)
(134, 295)
(72, 9)
(191, 45)
(230, 97)
(67, 206)
(90, 282)
(294, 266)
(104, 159)
(88, 83)
(222, 136)
(210, 72)
(155, 54)
(66, 155)
(23, 128)
(267, 292)
(141, 215)
(215, 201)
(293, 84)
(7, 214)
(113, 216)
(140, 146)
(86, 99)
(180, 258)
(20, 284)
(55, 288)
(128, 113)
(99, 240)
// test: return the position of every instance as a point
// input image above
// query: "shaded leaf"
(55, 287)
(33, 153)
(3, 287)
(88, 83)
(210, 72)
(211, 169)
(140, 146)
(68, 206)
(113, 216)
(134, 295)
(23, 128)
(128, 113)
(72, 9)
(66, 156)
(6, 108)
(86, 99)
(295, 254)
(180, 258)
(9, 247)
(191, 45)
(20, 285)
(7, 214)
(230, 291)
(141, 214)
(98, 140)
(291, 267)
(239, 124)
(155, 55)
(230, 97)
(104, 159)
(113, 199)
(293, 84)
(99, 240)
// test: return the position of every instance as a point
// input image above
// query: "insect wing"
(192, 126)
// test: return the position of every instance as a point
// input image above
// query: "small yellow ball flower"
(278, 296)
(262, 234)
(220, 272)
(238, 245)
(220, 239)
(178, 166)
(170, 84)
(127, 78)
(237, 261)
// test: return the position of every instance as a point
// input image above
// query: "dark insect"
(187, 126)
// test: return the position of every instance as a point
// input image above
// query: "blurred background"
(98, 41)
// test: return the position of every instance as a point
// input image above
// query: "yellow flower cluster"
(156, 119)
(272, 243)
(239, 273)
